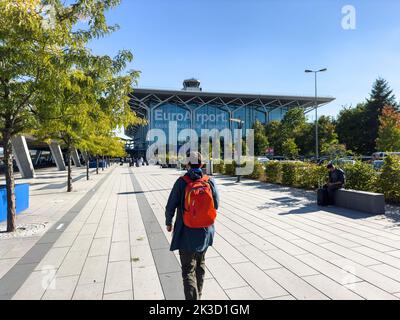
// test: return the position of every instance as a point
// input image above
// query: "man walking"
(195, 198)
(336, 181)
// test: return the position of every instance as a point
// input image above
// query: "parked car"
(380, 155)
(262, 159)
(377, 164)
(279, 158)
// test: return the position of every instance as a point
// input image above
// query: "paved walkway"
(107, 240)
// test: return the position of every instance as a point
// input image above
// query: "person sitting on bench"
(336, 181)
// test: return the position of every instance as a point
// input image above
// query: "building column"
(22, 157)
(75, 158)
(57, 155)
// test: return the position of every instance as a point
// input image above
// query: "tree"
(389, 130)
(33, 52)
(260, 139)
(272, 133)
(290, 149)
(334, 150)
(28, 61)
(349, 128)
(380, 96)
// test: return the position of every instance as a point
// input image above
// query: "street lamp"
(240, 127)
(316, 109)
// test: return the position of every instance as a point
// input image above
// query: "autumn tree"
(389, 130)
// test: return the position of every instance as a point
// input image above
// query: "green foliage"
(290, 149)
(361, 176)
(389, 130)
(289, 173)
(219, 167)
(258, 171)
(229, 168)
(260, 139)
(357, 127)
(273, 172)
(389, 180)
(334, 150)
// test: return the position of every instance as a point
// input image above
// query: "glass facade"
(197, 110)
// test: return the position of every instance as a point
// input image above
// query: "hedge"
(305, 175)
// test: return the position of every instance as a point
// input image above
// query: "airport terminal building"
(195, 109)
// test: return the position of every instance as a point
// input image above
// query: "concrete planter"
(21, 199)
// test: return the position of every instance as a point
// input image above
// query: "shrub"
(219, 167)
(289, 170)
(273, 172)
(389, 179)
(310, 175)
(361, 176)
(258, 171)
(230, 168)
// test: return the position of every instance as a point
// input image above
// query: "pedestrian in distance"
(194, 198)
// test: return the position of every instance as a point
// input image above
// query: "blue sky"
(260, 46)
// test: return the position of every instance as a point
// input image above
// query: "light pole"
(240, 127)
(316, 110)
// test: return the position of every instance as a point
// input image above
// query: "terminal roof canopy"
(140, 96)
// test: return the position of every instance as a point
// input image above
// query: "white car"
(263, 159)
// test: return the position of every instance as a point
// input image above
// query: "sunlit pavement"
(107, 240)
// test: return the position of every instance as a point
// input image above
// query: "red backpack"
(199, 210)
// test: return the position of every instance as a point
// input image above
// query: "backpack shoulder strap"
(187, 179)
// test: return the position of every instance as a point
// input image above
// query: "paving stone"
(119, 277)
(34, 286)
(93, 291)
(213, 291)
(294, 285)
(331, 288)
(387, 270)
(72, 264)
(94, 270)
(243, 293)
(120, 251)
(165, 261)
(63, 288)
(369, 291)
(367, 274)
(340, 275)
(53, 258)
(146, 283)
(6, 265)
(120, 232)
(351, 254)
(258, 257)
(142, 256)
(226, 276)
(89, 229)
(288, 297)
(172, 286)
(291, 263)
(125, 295)
(82, 243)
(66, 239)
(379, 256)
(259, 242)
(227, 251)
(100, 247)
(259, 281)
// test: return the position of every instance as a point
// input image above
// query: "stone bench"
(369, 202)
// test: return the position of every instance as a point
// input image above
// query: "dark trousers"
(193, 270)
(331, 192)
